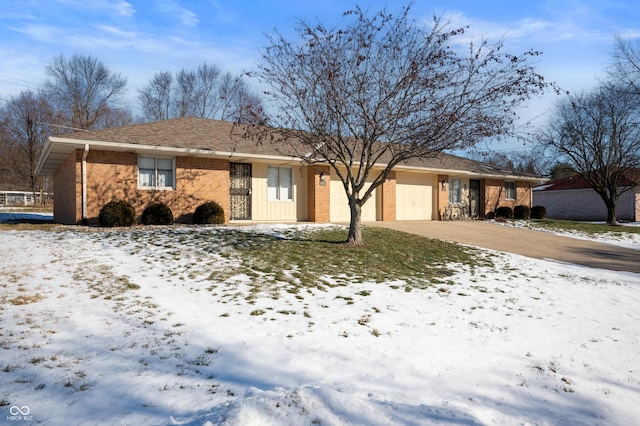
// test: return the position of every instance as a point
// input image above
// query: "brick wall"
(388, 199)
(494, 195)
(443, 196)
(319, 195)
(114, 175)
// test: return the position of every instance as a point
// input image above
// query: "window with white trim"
(510, 190)
(279, 184)
(455, 191)
(156, 172)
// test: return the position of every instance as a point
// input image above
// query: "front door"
(240, 191)
(474, 198)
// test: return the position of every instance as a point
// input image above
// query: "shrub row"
(521, 212)
(122, 213)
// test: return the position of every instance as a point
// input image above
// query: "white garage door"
(339, 211)
(414, 196)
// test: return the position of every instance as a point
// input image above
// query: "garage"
(414, 196)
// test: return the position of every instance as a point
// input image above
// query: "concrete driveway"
(536, 244)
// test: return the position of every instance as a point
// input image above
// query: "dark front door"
(474, 198)
(240, 191)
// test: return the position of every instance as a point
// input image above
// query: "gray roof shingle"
(202, 135)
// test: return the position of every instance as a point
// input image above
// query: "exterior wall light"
(323, 178)
(444, 185)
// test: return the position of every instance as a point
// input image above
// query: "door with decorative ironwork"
(240, 191)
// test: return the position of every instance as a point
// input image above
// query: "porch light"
(323, 178)
(444, 184)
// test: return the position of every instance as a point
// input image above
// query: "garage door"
(339, 211)
(414, 196)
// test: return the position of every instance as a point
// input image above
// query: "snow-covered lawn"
(617, 237)
(132, 327)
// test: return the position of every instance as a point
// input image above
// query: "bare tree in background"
(83, 89)
(625, 70)
(382, 90)
(155, 98)
(26, 127)
(530, 161)
(206, 92)
(6, 152)
(598, 134)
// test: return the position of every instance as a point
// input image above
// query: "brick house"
(185, 162)
(573, 198)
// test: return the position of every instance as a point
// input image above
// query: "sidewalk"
(536, 244)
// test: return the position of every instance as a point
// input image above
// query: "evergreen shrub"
(538, 212)
(522, 212)
(209, 213)
(117, 213)
(157, 214)
(504, 212)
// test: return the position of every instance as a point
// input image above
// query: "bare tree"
(530, 161)
(155, 98)
(114, 117)
(6, 151)
(83, 89)
(383, 90)
(625, 69)
(205, 96)
(205, 92)
(27, 125)
(598, 134)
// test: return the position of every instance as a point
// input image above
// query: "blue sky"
(140, 38)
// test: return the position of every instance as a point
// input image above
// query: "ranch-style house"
(185, 162)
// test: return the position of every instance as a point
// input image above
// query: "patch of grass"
(26, 299)
(584, 227)
(320, 255)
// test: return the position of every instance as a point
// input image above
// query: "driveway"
(536, 244)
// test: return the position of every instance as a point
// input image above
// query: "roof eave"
(46, 168)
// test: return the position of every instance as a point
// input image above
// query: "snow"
(615, 237)
(130, 327)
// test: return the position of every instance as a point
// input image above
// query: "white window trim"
(515, 190)
(278, 196)
(156, 187)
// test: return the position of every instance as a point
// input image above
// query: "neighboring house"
(14, 196)
(572, 198)
(185, 162)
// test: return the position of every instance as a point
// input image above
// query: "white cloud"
(124, 8)
(189, 18)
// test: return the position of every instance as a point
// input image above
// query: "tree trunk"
(354, 239)
(611, 214)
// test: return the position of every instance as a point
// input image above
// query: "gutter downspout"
(84, 184)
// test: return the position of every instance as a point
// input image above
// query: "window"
(455, 191)
(280, 184)
(155, 172)
(510, 190)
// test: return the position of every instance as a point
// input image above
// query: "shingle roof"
(203, 136)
